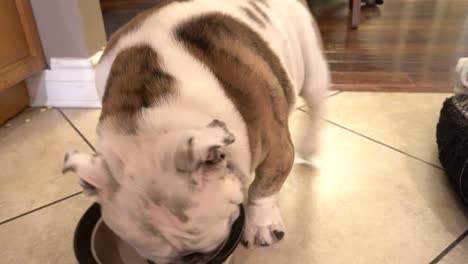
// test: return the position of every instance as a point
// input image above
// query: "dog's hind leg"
(314, 91)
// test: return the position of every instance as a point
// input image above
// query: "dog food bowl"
(95, 243)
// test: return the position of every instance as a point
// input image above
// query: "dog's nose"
(67, 167)
(67, 155)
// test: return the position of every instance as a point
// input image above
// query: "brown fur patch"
(253, 16)
(254, 79)
(304, 2)
(135, 24)
(136, 81)
(259, 10)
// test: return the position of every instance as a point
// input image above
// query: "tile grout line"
(41, 207)
(328, 96)
(383, 144)
(331, 95)
(450, 247)
(380, 143)
(76, 129)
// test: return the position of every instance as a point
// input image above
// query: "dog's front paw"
(264, 224)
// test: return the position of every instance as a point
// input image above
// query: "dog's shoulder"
(136, 81)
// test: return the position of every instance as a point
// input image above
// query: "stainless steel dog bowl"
(95, 243)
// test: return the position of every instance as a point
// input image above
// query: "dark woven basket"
(452, 141)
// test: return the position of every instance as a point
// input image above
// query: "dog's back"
(186, 64)
(232, 60)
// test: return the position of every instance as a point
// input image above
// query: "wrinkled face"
(168, 195)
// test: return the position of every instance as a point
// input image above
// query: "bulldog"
(196, 97)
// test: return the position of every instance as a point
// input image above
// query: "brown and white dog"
(196, 97)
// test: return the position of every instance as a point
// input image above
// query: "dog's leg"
(314, 92)
(264, 224)
(307, 135)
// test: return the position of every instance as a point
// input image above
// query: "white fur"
(295, 42)
(263, 217)
(313, 91)
(290, 36)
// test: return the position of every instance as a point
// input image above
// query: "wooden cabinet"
(20, 55)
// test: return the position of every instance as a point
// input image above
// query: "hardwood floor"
(404, 45)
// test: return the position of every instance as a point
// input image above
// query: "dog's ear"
(91, 169)
(203, 147)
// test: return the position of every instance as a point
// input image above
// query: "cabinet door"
(20, 49)
(13, 100)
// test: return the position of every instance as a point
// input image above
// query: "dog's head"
(167, 194)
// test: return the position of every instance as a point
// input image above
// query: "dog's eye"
(181, 171)
(220, 158)
(210, 164)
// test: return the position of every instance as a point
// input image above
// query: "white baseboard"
(69, 83)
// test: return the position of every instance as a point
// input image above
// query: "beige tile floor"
(458, 255)
(377, 196)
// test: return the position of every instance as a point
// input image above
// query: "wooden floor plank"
(404, 45)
